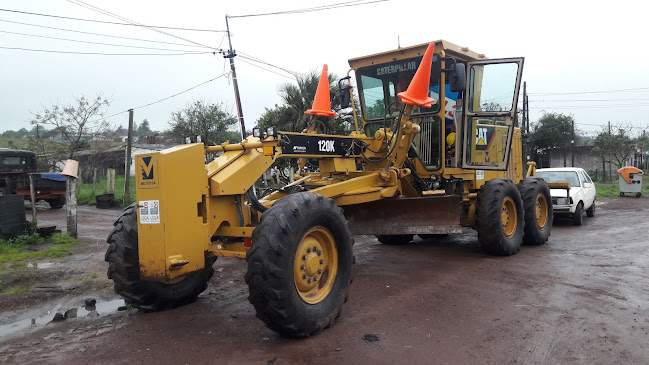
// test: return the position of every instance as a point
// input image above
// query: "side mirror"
(457, 78)
(345, 97)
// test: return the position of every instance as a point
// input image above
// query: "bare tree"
(76, 123)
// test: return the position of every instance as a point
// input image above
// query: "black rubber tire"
(621, 194)
(57, 203)
(590, 212)
(530, 188)
(270, 275)
(578, 216)
(124, 270)
(637, 195)
(488, 217)
(395, 239)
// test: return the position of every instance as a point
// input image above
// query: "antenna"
(398, 42)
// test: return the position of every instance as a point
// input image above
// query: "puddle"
(101, 308)
(41, 265)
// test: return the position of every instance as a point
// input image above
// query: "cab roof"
(449, 49)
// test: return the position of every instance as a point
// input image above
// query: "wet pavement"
(580, 299)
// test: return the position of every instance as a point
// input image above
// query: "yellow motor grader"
(437, 150)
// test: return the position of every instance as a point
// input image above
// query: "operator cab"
(474, 110)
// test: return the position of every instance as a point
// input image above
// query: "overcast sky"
(578, 48)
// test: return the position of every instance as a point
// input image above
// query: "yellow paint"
(181, 183)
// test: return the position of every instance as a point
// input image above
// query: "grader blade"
(425, 215)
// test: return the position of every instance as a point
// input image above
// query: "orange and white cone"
(322, 102)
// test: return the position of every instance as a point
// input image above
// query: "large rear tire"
(537, 203)
(499, 217)
(57, 203)
(124, 269)
(395, 239)
(299, 265)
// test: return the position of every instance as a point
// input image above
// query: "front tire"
(299, 265)
(499, 217)
(578, 216)
(124, 269)
(537, 203)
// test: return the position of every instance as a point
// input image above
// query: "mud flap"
(426, 215)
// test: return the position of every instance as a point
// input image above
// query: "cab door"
(489, 110)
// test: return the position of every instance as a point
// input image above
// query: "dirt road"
(580, 299)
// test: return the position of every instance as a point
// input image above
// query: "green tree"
(553, 130)
(298, 97)
(143, 130)
(616, 145)
(202, 118)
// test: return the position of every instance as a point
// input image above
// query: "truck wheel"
(499, 217)
(124, 270)
(637, 195)
(577, 217)
(590, 212)
(537, 203)
(395, 239)
(299, 265)
(57, 203)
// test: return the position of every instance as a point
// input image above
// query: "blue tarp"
(51, 176)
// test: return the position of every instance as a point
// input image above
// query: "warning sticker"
(149, 212)
(479, 175)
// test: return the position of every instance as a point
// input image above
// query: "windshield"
(560, 176)
(380, 84)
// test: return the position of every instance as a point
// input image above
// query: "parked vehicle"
(15, 168)
(582, 193)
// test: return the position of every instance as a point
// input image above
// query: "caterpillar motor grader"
(437, 150)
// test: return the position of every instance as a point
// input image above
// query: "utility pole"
(231, 56)
(572, 150)
(127, 169)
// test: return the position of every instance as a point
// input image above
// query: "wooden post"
(94, 180)
(127, 172)
(71, 204)
(33, 197)
(70, 171)
(110, 181)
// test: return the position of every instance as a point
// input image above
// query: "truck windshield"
(380, 84)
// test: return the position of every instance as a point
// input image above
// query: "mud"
(580, 299)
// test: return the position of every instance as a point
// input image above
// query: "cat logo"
(481, 136)
(148, 174)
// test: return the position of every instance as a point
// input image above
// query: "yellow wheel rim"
(541, 211)
(316, 265)
(508, 217)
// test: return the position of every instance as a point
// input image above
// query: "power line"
(105, 54)
(104, 35)
(159, 101)
(114, 23)
(254, 59)
(88, 42)
(113, 15)
(265, 69)
(593, 92)
(182, 92)
(309, 10)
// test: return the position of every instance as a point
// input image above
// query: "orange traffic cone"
(322, 102)
(417, 93)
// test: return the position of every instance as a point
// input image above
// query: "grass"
(611, 190)
(86, 196)
(21, 248)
